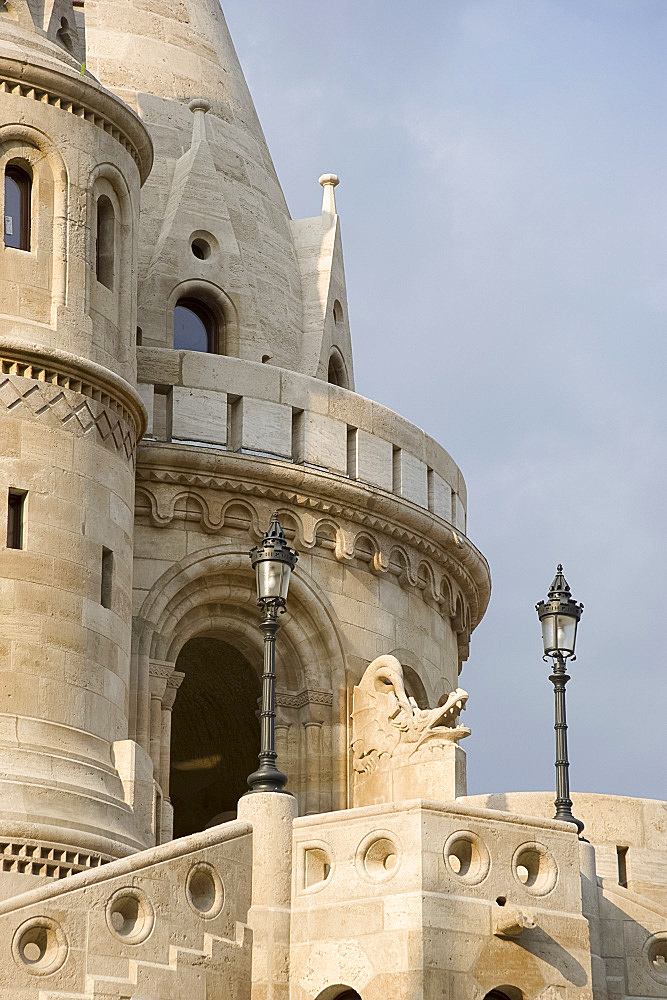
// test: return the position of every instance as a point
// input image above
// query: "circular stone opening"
(534, 868)
(466, 857)
(130, 916)
(204, 890)
(34, 945)
(201, 248)
(39, 946)
(378, 856)
(656, 954)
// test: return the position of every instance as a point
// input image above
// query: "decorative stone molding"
(422, 551)
(76, 96)
(65, 391)
(164, 670)
(32, 857)
(304, 698)
(65, 408)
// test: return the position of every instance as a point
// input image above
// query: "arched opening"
(196, 328)
(105, 241)
(64, 35)
(337, 372)
(504, 993)
(337, 312)
(18, 205)
(334, 993)
(214, 734)
(414, 687)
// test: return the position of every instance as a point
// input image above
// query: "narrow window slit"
(352, 462)
(107, 578)
(104, 247)
(15, 517)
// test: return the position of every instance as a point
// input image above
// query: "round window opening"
(656, 953)
(130, 916)
(39, 946)
(201, 248)
(534, 868)
(378, 856)
(205, 891)
(466, 857)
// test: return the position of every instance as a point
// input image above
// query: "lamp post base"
(267, 778)
(565, 814)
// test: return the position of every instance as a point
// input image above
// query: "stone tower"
(245, 368)
(75, 157)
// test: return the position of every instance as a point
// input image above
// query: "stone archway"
(214, 733)
(211, 593)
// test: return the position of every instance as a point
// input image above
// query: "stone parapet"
(426, 899)
(246, 407)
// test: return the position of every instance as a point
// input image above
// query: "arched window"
(337, 312)
(105, 241)
(18, 199)
(337, 373)
(195, 327)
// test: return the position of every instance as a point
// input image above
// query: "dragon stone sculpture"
(388, 727)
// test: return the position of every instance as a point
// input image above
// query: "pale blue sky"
(504, 216)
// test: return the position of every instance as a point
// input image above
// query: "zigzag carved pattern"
(59, 406)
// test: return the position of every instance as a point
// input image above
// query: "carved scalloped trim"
(459, 602)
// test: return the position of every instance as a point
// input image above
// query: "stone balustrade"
(258, 409)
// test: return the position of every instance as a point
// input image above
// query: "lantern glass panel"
(566, 633)
(559, 634)
(272, 579)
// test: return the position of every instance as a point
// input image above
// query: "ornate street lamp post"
(273, 562)
(559, 616)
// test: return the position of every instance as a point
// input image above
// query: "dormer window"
(195, 327)
(18, 204)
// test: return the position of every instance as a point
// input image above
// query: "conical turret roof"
(159, 56)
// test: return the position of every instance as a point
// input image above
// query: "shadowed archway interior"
(215, 734)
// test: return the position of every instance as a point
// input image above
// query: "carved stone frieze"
(303, 698)
(392, 535)
(62, 407)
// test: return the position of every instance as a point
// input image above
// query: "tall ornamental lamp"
(559, 616)
(273, 561)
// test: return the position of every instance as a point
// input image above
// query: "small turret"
(72, 159)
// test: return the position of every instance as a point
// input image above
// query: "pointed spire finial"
(559, 587)
(329, 182)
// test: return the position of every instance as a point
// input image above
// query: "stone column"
(173, 684)
(143, 702)
(159, 673)
(313, 758)
(282, 737)
(272, 815)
